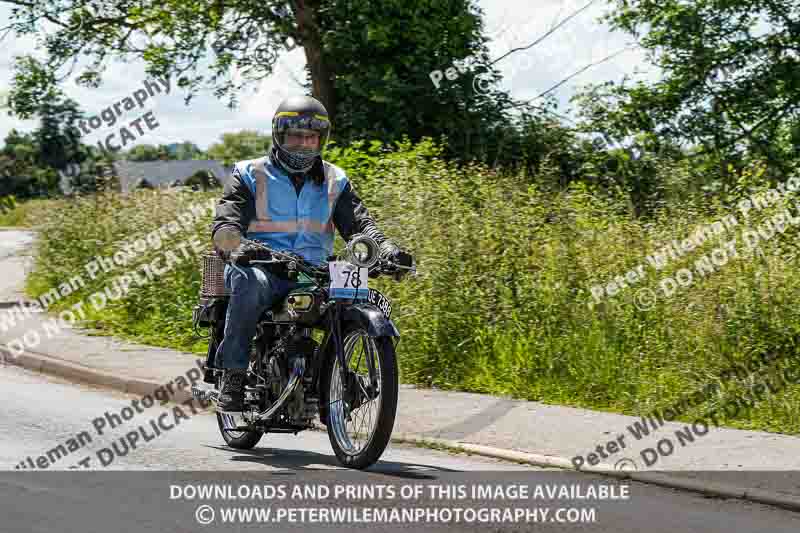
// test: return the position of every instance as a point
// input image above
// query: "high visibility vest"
(287, 222)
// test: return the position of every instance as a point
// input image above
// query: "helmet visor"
(301, 134)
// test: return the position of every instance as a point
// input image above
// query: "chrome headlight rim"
(372, 246)
(297, 297)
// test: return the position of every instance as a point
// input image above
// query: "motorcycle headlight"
(362, 251)
(300, 302)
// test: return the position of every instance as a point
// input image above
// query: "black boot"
(231, 397)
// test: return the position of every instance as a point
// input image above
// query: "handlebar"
(383, 266)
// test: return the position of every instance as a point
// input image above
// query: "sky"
(510, 23)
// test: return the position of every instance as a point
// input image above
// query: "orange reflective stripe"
(264, 224)
(318, 227)
(288, 226)
(269, 226)
(261, 191)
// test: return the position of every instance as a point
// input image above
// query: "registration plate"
(381, 302)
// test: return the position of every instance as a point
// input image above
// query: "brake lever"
(395, 270)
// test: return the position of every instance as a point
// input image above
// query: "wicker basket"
(213, 276)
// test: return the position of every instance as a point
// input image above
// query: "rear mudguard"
(371, 319)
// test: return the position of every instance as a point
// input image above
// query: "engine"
(296, 349)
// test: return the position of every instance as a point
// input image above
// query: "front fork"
(351, 388)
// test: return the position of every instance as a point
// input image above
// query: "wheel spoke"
(354, 428)
(360, 353)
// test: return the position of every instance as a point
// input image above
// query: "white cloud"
(581, 41)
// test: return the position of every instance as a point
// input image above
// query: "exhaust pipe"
(298, 368)
(297, 374)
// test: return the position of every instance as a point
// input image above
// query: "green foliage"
(20, 214)
(245, 144)
(30, 163)
(172, 152)
(22, 172)
(502, 303)
(8, 211)
(202, 179)
(386, 97)
(109, 220)
(392, 94)
(185, 151)
(730, 87)
(7, 203)
(176, 34)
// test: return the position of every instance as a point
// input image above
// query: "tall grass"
(502, 303)
(17, 214)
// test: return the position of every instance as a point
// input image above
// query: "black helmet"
(299, 114)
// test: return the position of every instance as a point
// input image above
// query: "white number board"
(348, 281)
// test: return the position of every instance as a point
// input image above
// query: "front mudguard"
(371, 319)
(365, 316)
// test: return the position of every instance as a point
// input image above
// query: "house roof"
(164, 173)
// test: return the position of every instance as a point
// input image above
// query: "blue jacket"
(260, 200)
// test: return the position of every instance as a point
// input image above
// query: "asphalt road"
(12, 241)
(144, 489)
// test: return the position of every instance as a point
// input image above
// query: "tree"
(34, 93)
(245, 144)
(368, 61)
(173, 36)
(147, 152)
(95, 174)
(22, 173)
(730, 85)
(390, 58)
(186, 150)
(202, 179)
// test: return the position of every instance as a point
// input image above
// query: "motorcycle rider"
(290, 200)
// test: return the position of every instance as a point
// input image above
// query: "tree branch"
(546, 35)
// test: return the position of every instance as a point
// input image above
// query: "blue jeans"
(253, 291)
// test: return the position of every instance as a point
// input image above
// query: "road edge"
(47, 364)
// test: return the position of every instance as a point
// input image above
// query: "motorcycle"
(327, 349)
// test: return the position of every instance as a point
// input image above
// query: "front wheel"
(361, 419)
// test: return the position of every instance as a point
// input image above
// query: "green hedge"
(502, 303)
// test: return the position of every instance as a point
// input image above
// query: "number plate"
(348, 281)
(381, 302)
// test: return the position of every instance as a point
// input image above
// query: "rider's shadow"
(293, 459)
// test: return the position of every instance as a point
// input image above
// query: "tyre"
(359, 428)
(240, 440)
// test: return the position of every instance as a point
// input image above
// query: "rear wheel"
(360, 421)
(241, 440)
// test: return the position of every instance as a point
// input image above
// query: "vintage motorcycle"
(348, 374)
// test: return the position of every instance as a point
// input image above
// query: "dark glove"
(247, 252)
(225, 256)
(391, 252)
